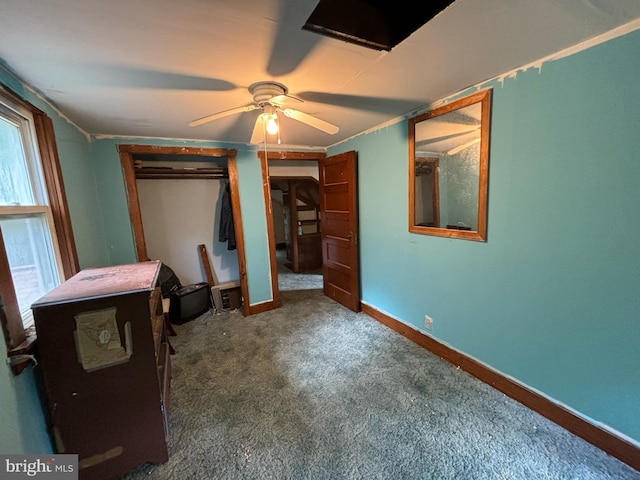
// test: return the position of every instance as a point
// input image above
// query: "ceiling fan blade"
(258, 131)
(291, 45)
(459, 148)
(225, 113)
(310, 120)
(367, 104)
(280, 100)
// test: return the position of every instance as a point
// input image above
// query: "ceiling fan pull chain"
(278, 123)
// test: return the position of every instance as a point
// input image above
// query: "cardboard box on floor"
(227, 296)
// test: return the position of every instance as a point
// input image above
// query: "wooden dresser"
(106, 366)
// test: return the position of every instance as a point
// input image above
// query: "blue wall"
(254, 223)
(553, 297)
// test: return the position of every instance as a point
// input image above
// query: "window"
(36, 242)
(25, 217)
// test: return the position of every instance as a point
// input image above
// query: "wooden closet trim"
(239, 231)
(133, 203)
(136, 149)
(127, 151)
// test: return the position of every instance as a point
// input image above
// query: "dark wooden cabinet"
(106, 367)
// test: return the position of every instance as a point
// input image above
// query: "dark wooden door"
(339, 218)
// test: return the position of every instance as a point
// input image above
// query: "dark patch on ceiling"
(376, 24)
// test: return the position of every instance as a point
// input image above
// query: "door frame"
(127, 152)
(294, 156)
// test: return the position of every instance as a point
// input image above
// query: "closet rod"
(156, 173)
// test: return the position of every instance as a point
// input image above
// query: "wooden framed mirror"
(449, 168)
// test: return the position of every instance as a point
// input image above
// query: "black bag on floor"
(168, 281)
(189, 302)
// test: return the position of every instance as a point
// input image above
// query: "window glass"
(31, 259)
(15, 186)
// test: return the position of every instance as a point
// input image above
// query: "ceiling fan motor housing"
(263, 92)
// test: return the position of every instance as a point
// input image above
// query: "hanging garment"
(227, 232)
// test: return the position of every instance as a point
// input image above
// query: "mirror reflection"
(448, 166)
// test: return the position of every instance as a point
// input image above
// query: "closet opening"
(180, 199)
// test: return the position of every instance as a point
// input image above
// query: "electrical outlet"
(428, 322)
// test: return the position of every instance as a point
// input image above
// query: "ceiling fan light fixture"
(272, 124)
(270, 119)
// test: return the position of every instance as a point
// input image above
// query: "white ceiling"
(146, 68)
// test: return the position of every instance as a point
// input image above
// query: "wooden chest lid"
(104, 281)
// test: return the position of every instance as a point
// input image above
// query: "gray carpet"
(315, 391)
(287, 280)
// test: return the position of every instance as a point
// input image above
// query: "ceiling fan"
(270, 97)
